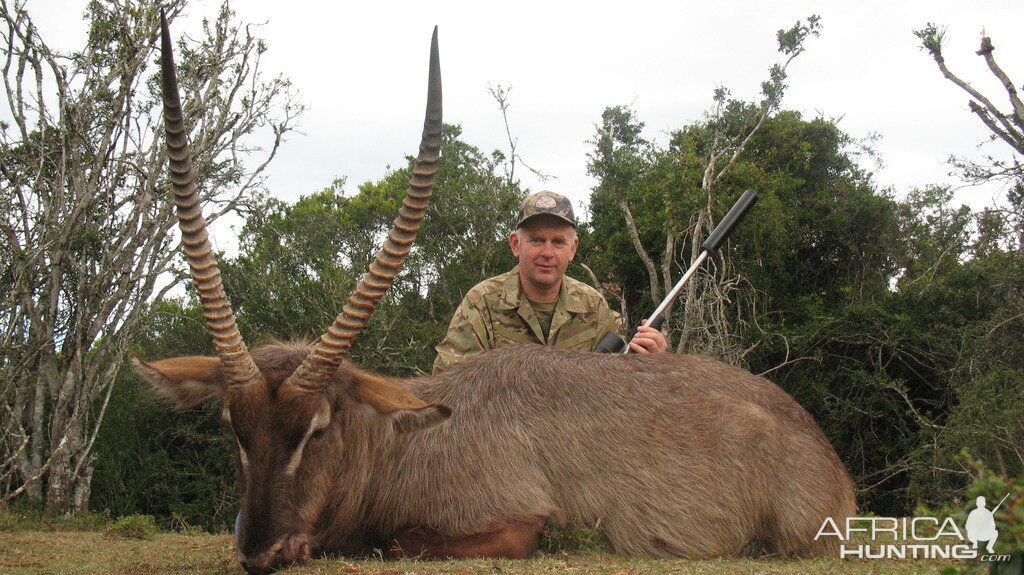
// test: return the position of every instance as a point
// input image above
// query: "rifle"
(996, 508)
(612, 343)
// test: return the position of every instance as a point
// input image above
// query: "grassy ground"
(43, 552)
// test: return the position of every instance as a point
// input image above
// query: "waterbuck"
(670, 455)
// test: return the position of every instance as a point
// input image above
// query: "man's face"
(544, 245)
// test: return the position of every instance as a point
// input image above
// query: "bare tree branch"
(1005, 126)
(501, 96)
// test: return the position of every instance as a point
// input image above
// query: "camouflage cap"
(546, 203)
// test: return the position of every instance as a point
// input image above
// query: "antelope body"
(671, 455)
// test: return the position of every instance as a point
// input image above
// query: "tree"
(617, 160)
(87, 224)
(965, 278)
(1005, 125)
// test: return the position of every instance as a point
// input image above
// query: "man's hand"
(648, 340)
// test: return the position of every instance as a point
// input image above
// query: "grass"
(82, 552)
(30, 519)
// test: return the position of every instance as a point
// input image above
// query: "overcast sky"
(360, 67)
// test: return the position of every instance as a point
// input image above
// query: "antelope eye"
(318, 433)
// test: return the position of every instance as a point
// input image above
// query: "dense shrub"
(134, 527)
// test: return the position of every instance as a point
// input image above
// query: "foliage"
(134, 527)
(571, 538)
(157, 460)
(816, 215)
(965, 294)
(166, 462)
(182, 525)
(966, 285)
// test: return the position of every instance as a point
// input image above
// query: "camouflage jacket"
(495, 313)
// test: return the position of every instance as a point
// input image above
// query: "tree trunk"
(60, 485)
(83, 485)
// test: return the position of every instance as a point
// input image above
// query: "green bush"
(570, 538)
(134, 527)
(155, 459)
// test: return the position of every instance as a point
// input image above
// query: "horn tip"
(165, 32)
(434, 75)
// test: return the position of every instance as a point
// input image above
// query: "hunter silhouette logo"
(918, 537)
(981, 524)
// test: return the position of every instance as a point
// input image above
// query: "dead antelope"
(672, 455)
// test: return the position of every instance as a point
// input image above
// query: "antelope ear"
(407, 412)
(186, 380)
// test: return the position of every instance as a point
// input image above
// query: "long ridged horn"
(312, 375)
(238, 366)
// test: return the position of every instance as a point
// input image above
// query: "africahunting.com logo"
(918, 537)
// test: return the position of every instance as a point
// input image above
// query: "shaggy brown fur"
(672, 455)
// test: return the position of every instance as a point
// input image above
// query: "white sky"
(360, 67)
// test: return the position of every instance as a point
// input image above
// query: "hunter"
(536, 302)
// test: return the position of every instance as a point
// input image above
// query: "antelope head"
(290, 410)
